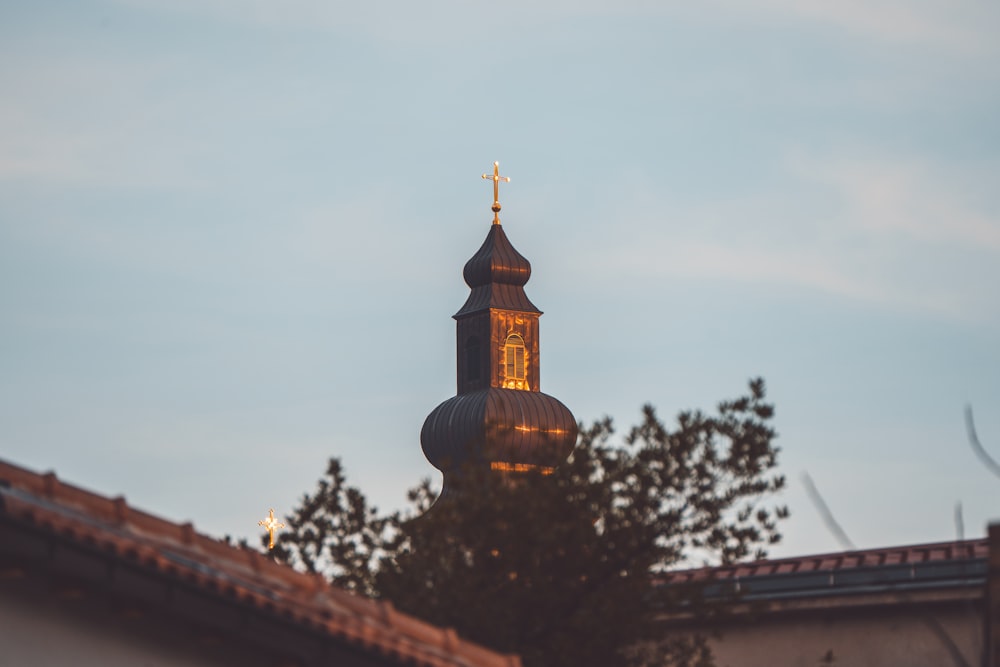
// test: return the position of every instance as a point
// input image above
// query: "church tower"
(499, 418)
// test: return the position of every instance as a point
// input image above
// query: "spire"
(498, 418)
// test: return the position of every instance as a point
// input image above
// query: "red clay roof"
(959, 550)
(178, 550)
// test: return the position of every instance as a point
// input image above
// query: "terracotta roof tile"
(178, 550)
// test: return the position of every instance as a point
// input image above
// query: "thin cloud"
(94, 121)
(889, 232)
(909, 197)
(960, 25)
(787, 269)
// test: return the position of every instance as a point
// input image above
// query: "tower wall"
(490, 329)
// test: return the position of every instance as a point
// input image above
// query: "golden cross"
(496, 178)
(271, 526)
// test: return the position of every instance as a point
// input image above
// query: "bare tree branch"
(959, 522)
(949, 644)
(825, 513)
(977, 447)
(933, 624)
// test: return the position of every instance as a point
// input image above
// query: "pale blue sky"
(232, 235)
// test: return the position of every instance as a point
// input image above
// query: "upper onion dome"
(497, 274)
(497, 261)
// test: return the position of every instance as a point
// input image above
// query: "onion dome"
(506, 429)
(497, 274)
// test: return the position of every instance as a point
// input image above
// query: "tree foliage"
(337, 533)
(561, 568)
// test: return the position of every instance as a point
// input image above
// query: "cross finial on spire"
(496, 178)
(270, 524)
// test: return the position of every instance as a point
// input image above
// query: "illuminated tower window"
(472, 362)
(514, 361)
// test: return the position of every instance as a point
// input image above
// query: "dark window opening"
(473, 363)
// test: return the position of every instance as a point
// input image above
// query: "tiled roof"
(240, 575)
(960, 550)
(958, 563)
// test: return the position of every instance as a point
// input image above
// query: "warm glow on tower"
(498, 417)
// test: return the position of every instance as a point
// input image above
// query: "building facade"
(913, 606)
(89, 580)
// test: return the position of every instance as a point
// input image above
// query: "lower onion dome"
(508, 429)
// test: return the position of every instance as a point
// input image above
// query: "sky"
(232, 235)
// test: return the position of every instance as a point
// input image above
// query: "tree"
(561, 567)
(335, 532)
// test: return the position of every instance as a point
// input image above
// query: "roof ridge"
(932, 552)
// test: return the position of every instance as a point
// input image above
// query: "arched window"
(514, 362)
(473, 362)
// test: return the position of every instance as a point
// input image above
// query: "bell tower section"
(497, 328)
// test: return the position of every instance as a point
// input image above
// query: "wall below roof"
(59, 623)
(899, 635)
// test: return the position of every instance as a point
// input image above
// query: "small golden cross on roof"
(496, 178)
(271, 525)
